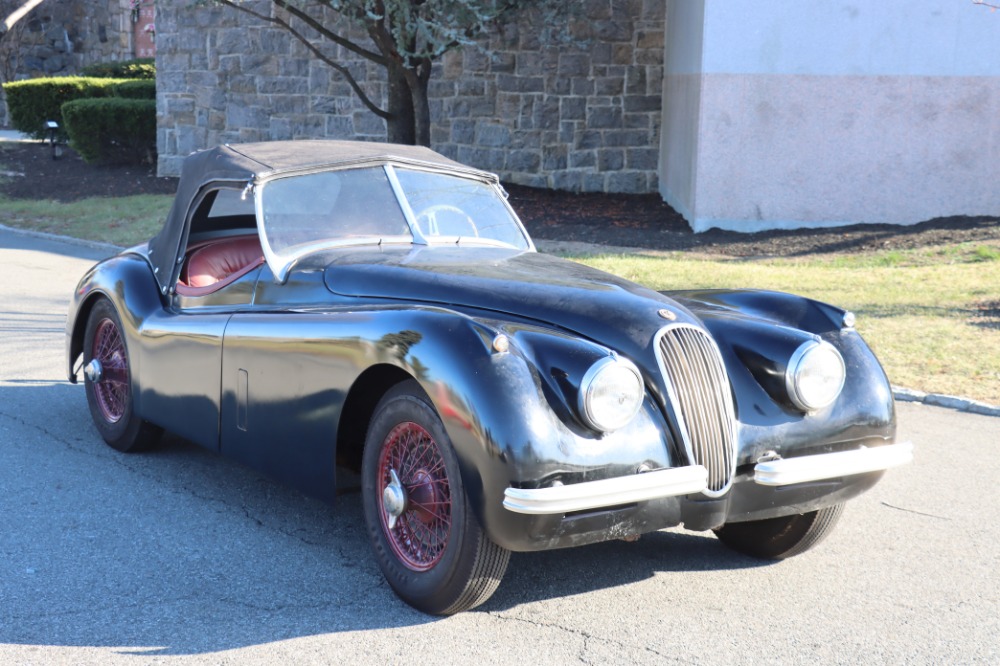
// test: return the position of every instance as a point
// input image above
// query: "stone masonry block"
(572, 108)
(524, 160)
(642, 159)
(594, 182)
(554, 158)
(511, 83)
(571, 64)
(649, 39)
(634, 103)
(583, 159)
(621, 138)
(610, 159)
(463, 131)
(628, 182)
(609, 85)
(492, 135)
(601, 117)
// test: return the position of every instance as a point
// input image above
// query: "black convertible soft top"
(241, 164)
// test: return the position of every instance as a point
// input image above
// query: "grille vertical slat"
(703, 403)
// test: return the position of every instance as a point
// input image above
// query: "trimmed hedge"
(31, 103)
(136, 89)
(112, 130)
(140, 68)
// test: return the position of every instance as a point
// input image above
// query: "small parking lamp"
(53, 127)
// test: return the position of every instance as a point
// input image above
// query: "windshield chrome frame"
(281, 265)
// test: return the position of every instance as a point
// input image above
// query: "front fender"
(756, 332)
(510, 418)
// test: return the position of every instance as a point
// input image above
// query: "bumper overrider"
(680, 481)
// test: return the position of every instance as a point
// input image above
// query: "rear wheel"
(780, 538)
(426, 539)
(108, 381)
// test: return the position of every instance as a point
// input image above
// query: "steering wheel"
(445, 216)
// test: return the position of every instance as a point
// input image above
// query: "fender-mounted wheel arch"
(79, 331)
(359, 407)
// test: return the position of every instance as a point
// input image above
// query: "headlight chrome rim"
(798, 363)
(588, 386)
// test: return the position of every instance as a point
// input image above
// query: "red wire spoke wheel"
(419, 534)
(420, 521)
(112, 390)
(108, 381)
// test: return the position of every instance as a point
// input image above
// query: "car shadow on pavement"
(179, 551)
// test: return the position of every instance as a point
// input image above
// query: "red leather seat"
(215, 265)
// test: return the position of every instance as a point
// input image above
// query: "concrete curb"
(82, 242)
(900, 393)
(939, 400)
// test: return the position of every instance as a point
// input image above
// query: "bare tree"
(12, 16)
(406, 37)
(11, 31)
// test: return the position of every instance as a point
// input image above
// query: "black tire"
(435, 556)
(110, 397)
(780, 538)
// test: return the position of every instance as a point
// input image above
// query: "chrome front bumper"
(677, 481)
(787, 471)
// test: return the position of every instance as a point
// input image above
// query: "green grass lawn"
(930, 314)
(122, 221)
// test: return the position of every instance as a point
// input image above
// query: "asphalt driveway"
(180, 556)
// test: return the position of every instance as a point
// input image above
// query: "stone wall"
(60, 36)
(582, 116)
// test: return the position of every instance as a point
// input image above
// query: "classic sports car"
(318, 303)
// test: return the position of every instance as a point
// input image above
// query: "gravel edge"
(900, 393)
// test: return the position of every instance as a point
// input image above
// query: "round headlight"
(815, 375)
(611, 394)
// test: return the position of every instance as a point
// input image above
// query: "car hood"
(540, 287)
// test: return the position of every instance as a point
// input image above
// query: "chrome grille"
(698, 387)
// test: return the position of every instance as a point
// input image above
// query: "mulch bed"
(624, 220)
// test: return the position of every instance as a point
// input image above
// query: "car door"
(182, 344)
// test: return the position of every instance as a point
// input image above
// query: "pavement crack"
(919, 513)
(69, 443)
(586, 637)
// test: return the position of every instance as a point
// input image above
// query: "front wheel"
(426, 539)
(780, 538)
(108, 381)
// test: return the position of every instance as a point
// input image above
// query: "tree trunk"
(421, 114)
(418, 79)
(399, 126)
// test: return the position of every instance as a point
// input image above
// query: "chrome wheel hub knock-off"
(394, 499)
(93, 371)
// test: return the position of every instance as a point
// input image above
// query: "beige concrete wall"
(781, 114)
(787, 151)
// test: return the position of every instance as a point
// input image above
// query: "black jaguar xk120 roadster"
(312, 304)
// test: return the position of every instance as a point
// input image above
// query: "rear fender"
(127, 281)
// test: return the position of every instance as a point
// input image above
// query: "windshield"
(329, 207)
(304, 213)
(455, 208)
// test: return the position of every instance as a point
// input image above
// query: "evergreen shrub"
(139, 68)
(33, 102)
(112, 130)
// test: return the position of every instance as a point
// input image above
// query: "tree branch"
(18, 14)
(351, 81)
(329, 34)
